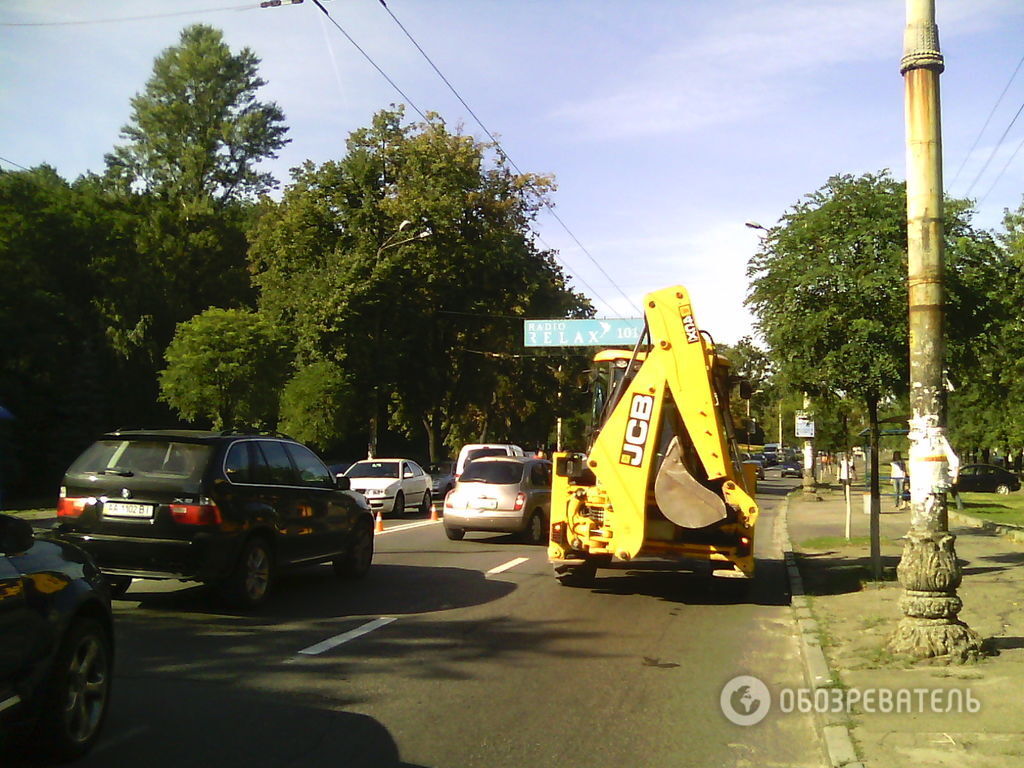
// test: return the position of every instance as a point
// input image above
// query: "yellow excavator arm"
(662, 476)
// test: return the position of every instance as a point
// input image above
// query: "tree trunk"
(875, 504)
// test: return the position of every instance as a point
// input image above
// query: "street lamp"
(390, 242)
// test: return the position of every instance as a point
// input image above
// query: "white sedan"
(391, 485)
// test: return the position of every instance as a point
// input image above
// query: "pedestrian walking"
(898, 474)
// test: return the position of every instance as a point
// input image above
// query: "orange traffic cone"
(433, 511)
(379, 527)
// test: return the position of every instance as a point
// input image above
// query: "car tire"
(249, 583)
(582, 575)
(118, 585)
(455, 534)
(356, 563)
(536, 531)
(399, 507)
(1002, 489)
(78, 693)
(425, 504)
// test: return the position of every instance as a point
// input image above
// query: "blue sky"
(667, 124)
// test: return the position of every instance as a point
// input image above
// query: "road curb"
(837, 739)
(1011, 532)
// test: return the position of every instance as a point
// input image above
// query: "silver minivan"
(510, 494)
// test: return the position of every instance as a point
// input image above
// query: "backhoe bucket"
(682, 499)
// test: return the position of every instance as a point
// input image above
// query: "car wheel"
(355, 563)
(1002, 489)
(536, 531)
(455, 534)
(425, 504)
(249, 583)
(78, 693)
(399, 508)
(581, 575)
(118, 585)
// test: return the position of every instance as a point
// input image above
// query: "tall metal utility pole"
(928, 570)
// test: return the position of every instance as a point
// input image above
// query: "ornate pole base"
(930, 575)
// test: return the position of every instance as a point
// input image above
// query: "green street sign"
(618, 332)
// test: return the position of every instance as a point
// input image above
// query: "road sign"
(594, 332)
(804, 424)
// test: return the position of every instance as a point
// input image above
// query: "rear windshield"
(373, 469)
(143, 458)
(493, 472)
(479, 453)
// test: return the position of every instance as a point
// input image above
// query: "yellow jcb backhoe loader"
(663, 476)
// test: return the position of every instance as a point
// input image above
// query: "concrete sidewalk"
(856, 616)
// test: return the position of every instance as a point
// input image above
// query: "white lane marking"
(8, 703)
(407, 526)
(506, 566)
(344, 637)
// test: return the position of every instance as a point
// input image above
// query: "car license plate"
(123, 509)
(487, 503)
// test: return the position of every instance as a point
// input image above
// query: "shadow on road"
(666, 581)
(316, 593)
(167, 723)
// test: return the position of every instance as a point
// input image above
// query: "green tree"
(51, 341)
(319, 404)
(986, 407)
(227, 367)
(411, 259)
(197, 131)
(829, 290)
(182, 183)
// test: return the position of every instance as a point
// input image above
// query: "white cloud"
(748, 59)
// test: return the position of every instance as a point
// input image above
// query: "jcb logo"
(690, 326)
(637, 429)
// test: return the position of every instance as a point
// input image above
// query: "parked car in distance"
(472, 451)
(757, 461)
(791, 469)
(986, 478)
(224, 508)
(56, 643)
(391, 485)
(509, 494)
(758, 467)
(442, 478)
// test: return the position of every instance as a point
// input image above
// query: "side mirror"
(342, 482)
(16, 535)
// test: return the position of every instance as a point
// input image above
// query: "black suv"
(222, 508)
(56, 643)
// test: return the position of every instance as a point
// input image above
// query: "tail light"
(520, 502)
(448, 501)
(72, 507)
(206, 513)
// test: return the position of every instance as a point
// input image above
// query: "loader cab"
(610, 371)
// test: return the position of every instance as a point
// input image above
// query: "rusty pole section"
(928, 570)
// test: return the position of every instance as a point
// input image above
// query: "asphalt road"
(457, 654)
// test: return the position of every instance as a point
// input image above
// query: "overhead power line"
(394, 85)
(11, 162)
(372, 62)
(1001, 172)
(993, 152)
(987, 121)
(547, 204)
